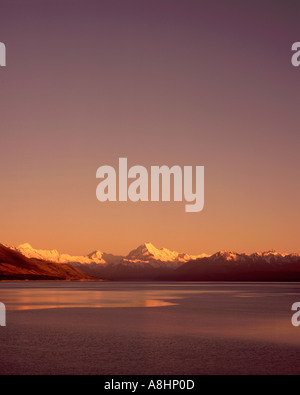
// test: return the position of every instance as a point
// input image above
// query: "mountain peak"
(148, 246)
(26, 246)
(147, 252)
(96, 254)
(226, 254)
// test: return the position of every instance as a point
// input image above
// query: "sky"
(160, 82)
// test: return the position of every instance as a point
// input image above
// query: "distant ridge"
(15, 266)
(145, 253)
(148, 263)
(229, 266)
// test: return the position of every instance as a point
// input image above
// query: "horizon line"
(159, 249)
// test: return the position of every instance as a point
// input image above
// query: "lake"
(116, 328)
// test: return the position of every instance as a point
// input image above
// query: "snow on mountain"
(16, 266)
(145, 255)
(148, 254)
(274, 257)
(269, 257)
(54, 256)
(28, 251)
(227, 256)
(231, 266)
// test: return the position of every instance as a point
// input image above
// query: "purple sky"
(160, 82)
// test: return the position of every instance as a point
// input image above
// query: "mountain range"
(148, 263)
(145, 253)
(15, 266)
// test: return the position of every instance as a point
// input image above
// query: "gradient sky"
(174, 82)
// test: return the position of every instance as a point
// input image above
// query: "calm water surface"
(149, 328)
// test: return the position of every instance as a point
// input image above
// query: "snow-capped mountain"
(148, 254)
(149, 263)
(96, 257)
(143, 263)
(15, 266)
(267, 257)
(231, 266)
(144, 254)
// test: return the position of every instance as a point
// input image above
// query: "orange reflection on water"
(37, 299)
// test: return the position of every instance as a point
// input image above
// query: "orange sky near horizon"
(160, 83)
